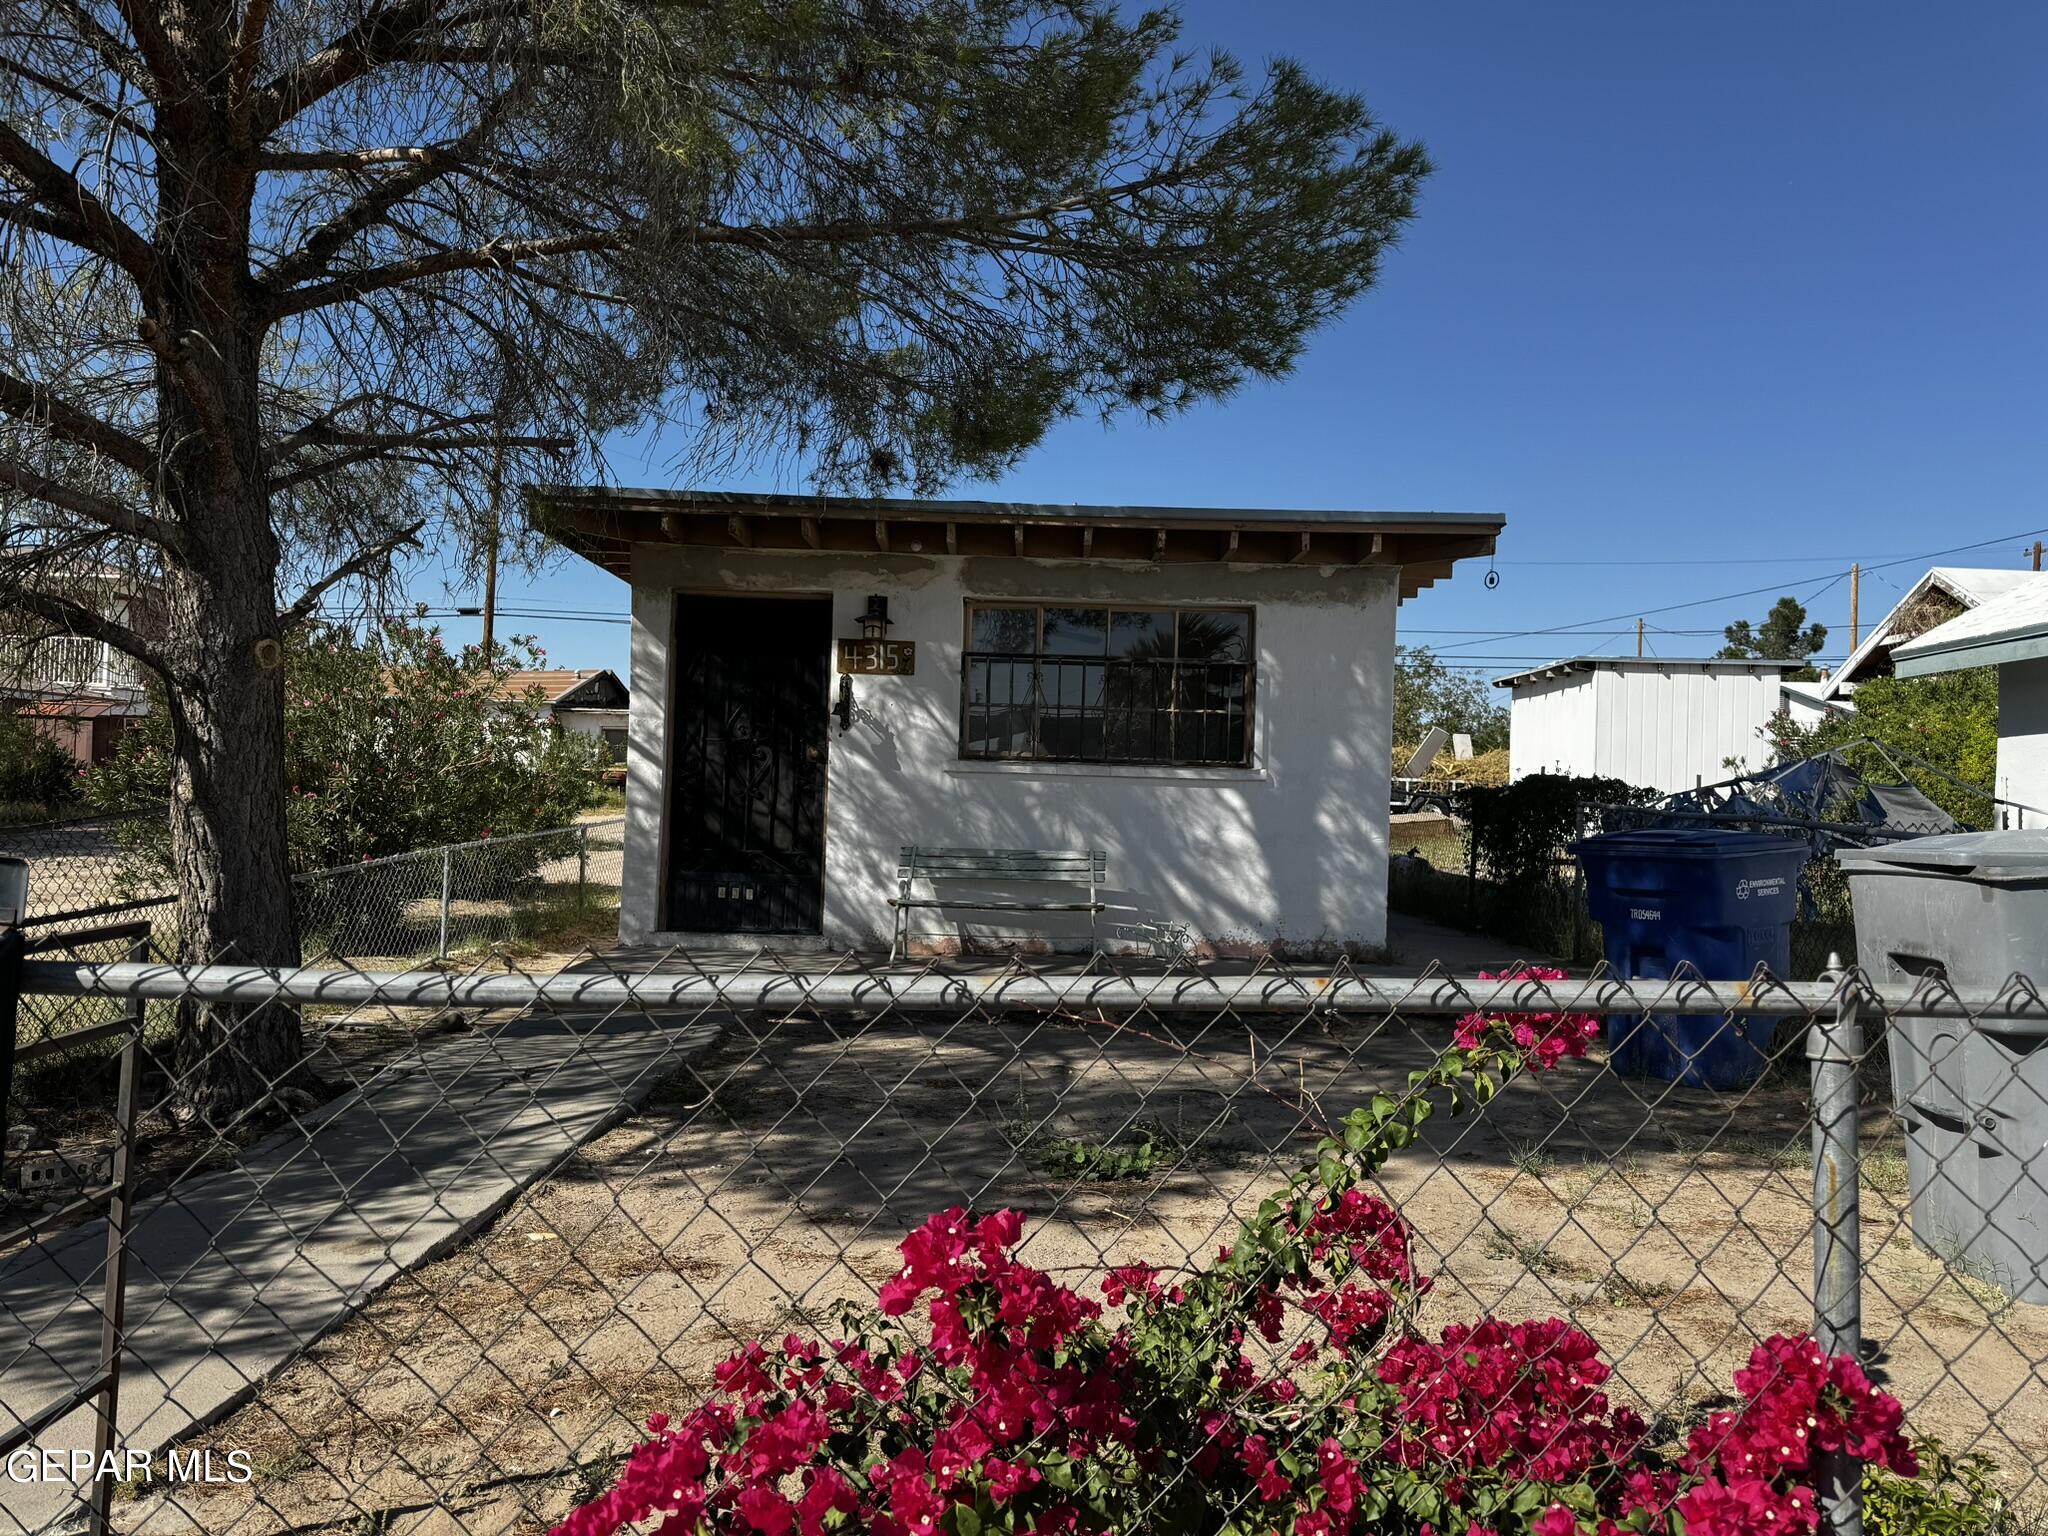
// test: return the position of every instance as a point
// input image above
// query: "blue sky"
(1732, 283)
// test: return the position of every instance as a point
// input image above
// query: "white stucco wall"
(1667, 729)
(1290, 851)
(2023, 739)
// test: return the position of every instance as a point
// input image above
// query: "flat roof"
(2011, 627)
(603, 523)
(1571, 664)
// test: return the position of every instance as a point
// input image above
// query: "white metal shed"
(1654, 721)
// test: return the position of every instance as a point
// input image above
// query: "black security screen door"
(746, 841)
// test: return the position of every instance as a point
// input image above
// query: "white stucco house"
(590, 701)
(1203, 694)
(1662, 723)
(2009, 632)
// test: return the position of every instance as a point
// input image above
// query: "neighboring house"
(1937, 597)
(80, 692)
(1656, 722)
(1807, 704)
(590, 701)
(1203, 694)
(2009, 632)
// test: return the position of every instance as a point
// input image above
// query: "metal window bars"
(1106, 709)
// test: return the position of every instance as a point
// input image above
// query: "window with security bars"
(1053, 684)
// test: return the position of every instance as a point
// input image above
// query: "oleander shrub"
(1281, 1386)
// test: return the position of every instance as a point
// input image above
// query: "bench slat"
(1065, 866)
(1025, 863)
(1002, 906)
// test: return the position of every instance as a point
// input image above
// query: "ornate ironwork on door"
(746, 833)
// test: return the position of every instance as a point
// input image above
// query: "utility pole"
(1639, 639)
(1855, 605)
(491, 535)
(2036, 552)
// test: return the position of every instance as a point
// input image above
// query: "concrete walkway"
(232, 1275)
(1419, 944)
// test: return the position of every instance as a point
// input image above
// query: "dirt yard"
(494, 1388)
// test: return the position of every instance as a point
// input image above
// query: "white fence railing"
(65, 661)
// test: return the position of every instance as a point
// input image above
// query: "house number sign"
(878, 658)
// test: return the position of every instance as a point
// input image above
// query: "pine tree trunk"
(225, 682)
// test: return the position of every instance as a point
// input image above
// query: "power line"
(1759, 559)
(1824, 584)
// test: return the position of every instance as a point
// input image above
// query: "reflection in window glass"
(1141, 632)
(1208, 634)
(1005, 629)
(1075, 631)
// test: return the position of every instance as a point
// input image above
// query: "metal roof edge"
(1567, 664)
(773, 504)
(1989, 651)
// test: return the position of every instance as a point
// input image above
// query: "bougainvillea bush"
(1280, 1387)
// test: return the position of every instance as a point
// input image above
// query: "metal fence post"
(1834, 1046)
(447, 886)
(114, 1297)
(11, 944)
(582, 863)
(1471, 881)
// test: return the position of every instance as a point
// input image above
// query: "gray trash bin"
(1971, 907)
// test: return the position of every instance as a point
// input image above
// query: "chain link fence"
(1298, 1252)
(80, 867)
(557, 889)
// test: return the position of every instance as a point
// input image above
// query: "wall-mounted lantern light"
(874, 623)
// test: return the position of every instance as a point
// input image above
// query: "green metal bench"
(1077, 866)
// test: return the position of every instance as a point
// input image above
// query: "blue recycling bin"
(1721, 902)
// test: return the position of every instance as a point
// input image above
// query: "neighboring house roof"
(1702, 664)
(2013, 627)
(603, 524)
(1814, 697)
(1967, 586)
(81, 707)
(568, 689)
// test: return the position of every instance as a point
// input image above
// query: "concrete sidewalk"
(232, 1275)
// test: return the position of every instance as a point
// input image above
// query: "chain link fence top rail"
(492, 1222)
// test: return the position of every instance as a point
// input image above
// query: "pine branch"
(372, 42)
(35, 404)
(110, 515)
(71, 617)
(69, 211)
(421, 169)
(356, 565)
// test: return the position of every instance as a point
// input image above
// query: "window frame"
(1035, 753)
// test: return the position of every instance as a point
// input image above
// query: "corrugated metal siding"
(1665, 730)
